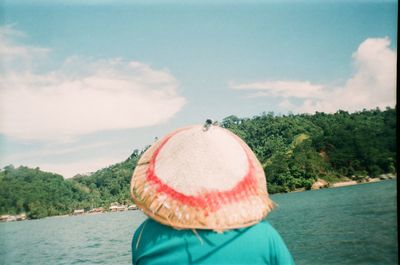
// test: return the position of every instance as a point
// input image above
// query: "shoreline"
(353, 182)
(322, 184)
(68, 215)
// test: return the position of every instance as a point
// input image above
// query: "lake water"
(348, 225)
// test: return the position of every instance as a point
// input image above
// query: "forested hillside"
(294, 150)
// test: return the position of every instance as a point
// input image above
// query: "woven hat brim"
(247, 208)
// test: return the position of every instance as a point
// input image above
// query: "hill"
(295, 150)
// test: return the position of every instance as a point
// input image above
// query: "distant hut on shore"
(116, 207)
(8, 218)
(132, 207)
(97, 210)
(21, 217)
(79, 211)
(11, 218)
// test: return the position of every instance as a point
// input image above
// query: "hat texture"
(201, 178)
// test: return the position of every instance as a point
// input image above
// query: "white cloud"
(17, 56)
(68, 160)
(299, 89)
(70, 169)
(373, 84)
(286, 104)
(53, 150)
(82, 96)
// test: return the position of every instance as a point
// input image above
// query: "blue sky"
(84, 85)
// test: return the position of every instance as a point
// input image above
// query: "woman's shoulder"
(264, 226)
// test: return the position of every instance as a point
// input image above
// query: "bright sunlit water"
(348, 225)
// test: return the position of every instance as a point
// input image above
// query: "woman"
(206, 195)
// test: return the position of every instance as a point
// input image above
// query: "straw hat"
(201, 177)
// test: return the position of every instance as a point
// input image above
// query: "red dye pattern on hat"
(210, 200)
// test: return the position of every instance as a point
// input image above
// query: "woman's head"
(202, 177)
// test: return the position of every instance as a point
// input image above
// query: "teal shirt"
(160, 244)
